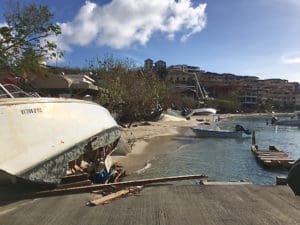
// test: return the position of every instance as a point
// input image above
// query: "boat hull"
(39, 136)
(202, 111)
(217, 134)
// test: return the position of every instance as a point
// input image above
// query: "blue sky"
(257, 37)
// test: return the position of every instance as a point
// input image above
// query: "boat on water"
(43, 138)
(216, 132)
(293, 121)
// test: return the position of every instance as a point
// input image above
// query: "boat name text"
(31, 111)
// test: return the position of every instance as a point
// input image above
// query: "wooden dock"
(273, 157)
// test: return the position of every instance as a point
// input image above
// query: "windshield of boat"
(12, 91)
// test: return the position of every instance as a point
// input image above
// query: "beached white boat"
(202, 111)
(40, 136)
(216, 132)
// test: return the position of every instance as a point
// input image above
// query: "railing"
(12, 91)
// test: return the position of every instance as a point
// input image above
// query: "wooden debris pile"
(112, 187)
(82, 178)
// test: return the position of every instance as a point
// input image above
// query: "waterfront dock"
(164, 204)
(271, 158)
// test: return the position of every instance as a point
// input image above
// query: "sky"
(244, 37)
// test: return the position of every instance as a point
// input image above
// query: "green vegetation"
(23, 44)
(128, 91)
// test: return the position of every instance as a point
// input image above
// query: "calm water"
(226, 159)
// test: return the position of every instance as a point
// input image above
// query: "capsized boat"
(41, 138)
(216, 132)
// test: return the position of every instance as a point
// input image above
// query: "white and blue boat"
(40, 136)
(215, 131)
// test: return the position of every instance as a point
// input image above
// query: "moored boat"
(40, 136)
(216, 132)
(293, 121)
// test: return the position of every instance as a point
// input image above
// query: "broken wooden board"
(106, 199)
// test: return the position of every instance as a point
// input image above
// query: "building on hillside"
(229, 85)
(250, 91)
(280, 92)
(297, 100)
(148, 65)
(160, 68)
(185, 68)
(248, 98)
(186, 81)
(180, 77)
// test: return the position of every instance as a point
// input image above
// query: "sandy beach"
(151, 140)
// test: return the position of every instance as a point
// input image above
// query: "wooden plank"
(277, 164)
(278, 156)
(270, 153)
(74, 184)
(253, 138)
(108, 198)
(225, 183)
(119, 184)
(276, 159)
(273, 157)
(74, 178)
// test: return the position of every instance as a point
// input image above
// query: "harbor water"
(225, 159)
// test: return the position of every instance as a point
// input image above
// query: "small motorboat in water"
(216, 132)
(294, 121)
(41, 138)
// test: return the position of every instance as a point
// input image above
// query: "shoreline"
(152, 140)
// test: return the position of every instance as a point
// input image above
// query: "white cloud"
(292, 2)
(283, 3)
(119, 24)
(293, 58)
(3, 24)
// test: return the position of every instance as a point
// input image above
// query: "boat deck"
(164, 204)
(273, 158)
